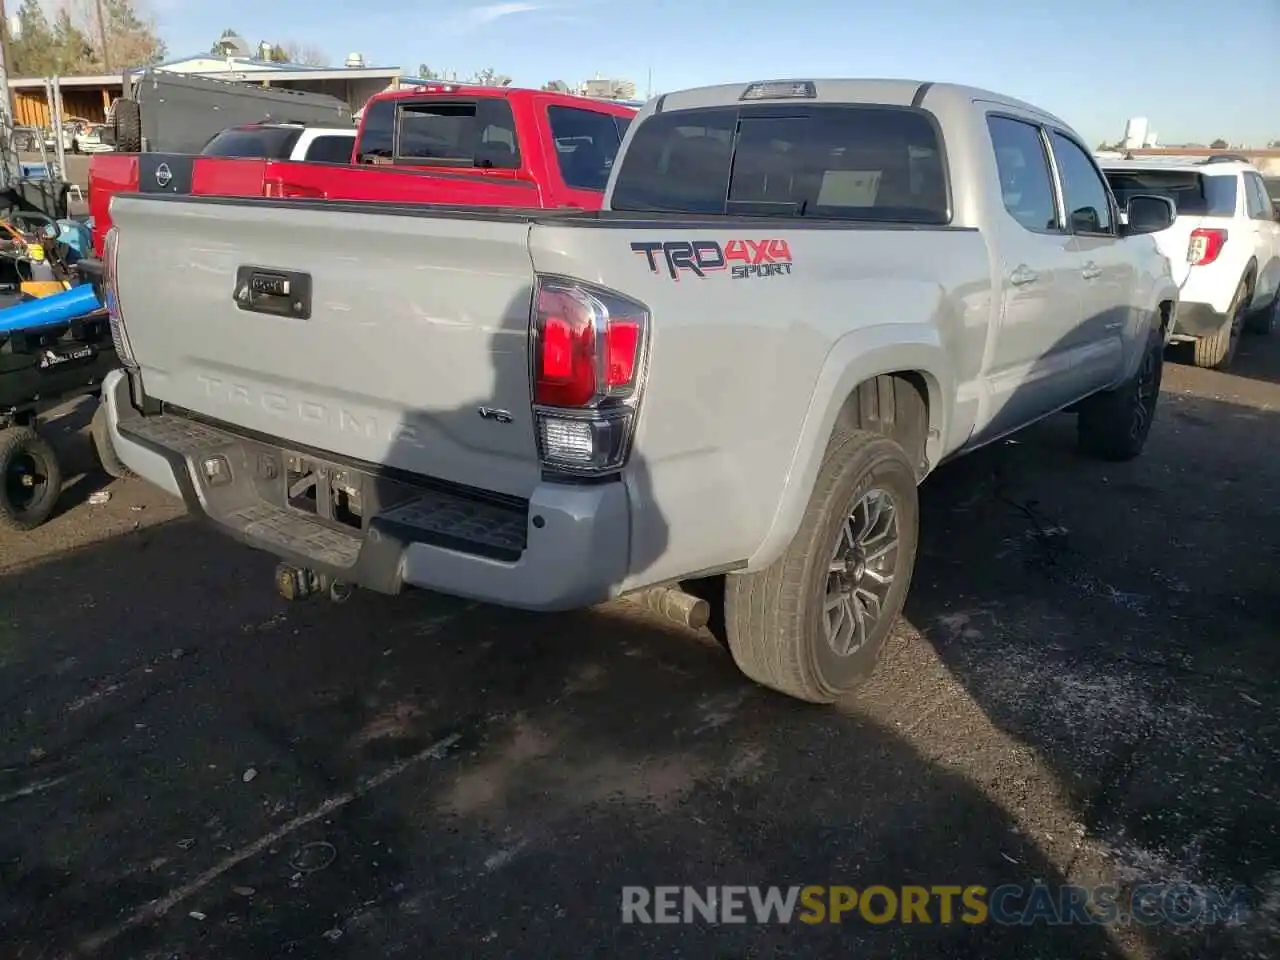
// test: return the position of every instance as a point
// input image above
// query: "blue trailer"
(52, 349)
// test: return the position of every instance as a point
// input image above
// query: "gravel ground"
(1083, 689)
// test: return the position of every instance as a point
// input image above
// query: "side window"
(1026, 184)
(329, 149)
(586, 144)
(678, 162)
(1085, 192)
(376, 134)
(1256, 194)
(480, 134)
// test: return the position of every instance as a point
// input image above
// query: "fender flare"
(854, 359)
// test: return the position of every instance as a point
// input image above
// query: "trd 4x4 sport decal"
(743, 259)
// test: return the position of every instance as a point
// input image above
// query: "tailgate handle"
(279, 293)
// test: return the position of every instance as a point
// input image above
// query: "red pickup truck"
(434, 144)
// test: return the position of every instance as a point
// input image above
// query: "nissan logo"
(163, 175)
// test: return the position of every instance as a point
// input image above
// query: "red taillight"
(278, 188)
(111, 296)
(1206, 243)
(587, 345)
(588, 358)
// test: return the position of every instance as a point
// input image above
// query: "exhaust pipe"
(674, 604)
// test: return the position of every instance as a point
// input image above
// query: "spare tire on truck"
(128, 126)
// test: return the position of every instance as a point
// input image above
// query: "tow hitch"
(299, 583)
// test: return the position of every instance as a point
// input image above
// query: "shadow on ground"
(188, 767)
(580, 754)
(1122, 623)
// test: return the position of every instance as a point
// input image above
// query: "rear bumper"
(1197, 320)
(566, 547)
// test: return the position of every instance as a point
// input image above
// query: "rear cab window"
(1194, 194)
(267, 143)
(586, 145)
(838, 161)
(478, 133)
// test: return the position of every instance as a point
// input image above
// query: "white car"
(1224, 247)
(282, 140)
(89, 140)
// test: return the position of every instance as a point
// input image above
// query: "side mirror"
(1149, 215)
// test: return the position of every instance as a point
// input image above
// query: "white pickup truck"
(801, 297)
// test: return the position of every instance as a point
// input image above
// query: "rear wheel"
(812, 625)
(1265, 322)
(30, 479)
(1217, 351)
(1115, 425)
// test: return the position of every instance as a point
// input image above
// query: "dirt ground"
(1084, 689)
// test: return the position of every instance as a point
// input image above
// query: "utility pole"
(8, 154)
(102, 37)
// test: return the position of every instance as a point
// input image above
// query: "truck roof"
(507, 93)
(1212, 166)
(902, 92)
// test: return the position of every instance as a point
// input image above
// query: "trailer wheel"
(128, 124)
(111, 464)
(30, 479)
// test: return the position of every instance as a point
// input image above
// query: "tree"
(426, 73)
(70, 48)
(72, 43)
(217, 49)
(555, 86)
(31, 46)
(1218, 144)
(488, 77)
(302, 53)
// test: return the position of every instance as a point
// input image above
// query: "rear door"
(1096, 346)
(1028, 370)
(1266, 228)
(582, 145)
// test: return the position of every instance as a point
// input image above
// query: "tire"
(1115, 425)
(775, 620)
(111, 464)
(1217, 351)
(30, 479)
(128, 125)
(1264, 322)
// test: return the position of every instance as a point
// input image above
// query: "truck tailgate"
(409, 349)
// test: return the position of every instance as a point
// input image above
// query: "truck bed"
(413, 355)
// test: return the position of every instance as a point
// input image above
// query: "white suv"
(1224, 247)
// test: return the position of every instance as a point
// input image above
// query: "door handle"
(1023, 275)
(1091, 271)
(280, 293)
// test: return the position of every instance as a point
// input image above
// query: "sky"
(1197, 69)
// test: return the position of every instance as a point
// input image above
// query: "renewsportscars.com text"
(1006, 905)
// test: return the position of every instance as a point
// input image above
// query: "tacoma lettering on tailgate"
(743, 259)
